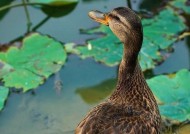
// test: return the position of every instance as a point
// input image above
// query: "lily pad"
(3, 96)
(27, 67)
(159, 34)
(173, 94)
(181, 4)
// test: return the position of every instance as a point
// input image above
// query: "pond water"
(57, 106)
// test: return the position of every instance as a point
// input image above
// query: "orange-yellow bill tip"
(99, 17)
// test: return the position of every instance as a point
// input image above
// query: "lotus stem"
(29, 23)
(129, 4)
(40, 23)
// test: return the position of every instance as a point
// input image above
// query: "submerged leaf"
(173, 92)
(55, 2)
(3, 96)
(56, 8)
(159, 34)
(59, 11)
(98, 92)
(27, 67)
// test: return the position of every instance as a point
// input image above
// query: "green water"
(56, 108)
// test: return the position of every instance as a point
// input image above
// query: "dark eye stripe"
(115, 17)
(118, 19)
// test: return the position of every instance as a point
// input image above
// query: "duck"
(132, 107)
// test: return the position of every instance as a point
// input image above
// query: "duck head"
(124, 23)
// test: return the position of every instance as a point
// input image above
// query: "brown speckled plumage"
(132, 108)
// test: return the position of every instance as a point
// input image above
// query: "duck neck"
(129, 67)
(130, 76)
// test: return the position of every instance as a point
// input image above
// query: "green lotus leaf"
(28, 66)
(172, 93)
(3, 96)
(159, 34)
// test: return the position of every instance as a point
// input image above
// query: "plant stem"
(40, 23)
(17, 39)
(129, 4)
(29, 23)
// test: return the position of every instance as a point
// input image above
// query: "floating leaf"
(3, 96)
(173, 93)
(159, 34)
(181, 4)
(27, 67)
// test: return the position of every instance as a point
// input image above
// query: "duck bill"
(99, 17)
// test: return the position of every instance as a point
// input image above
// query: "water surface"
(58, 106)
